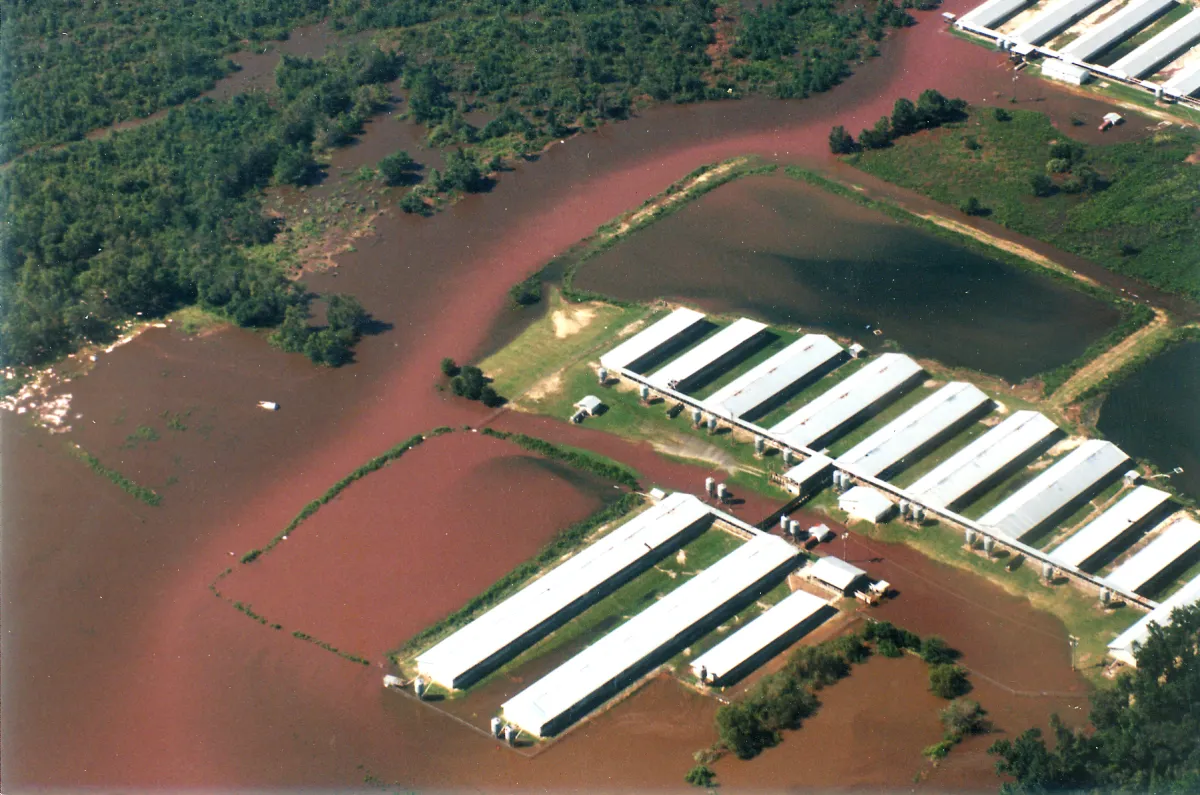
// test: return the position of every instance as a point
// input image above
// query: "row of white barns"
(615, 661)
(566, 590)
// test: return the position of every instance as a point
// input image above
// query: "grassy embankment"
(1140, 221)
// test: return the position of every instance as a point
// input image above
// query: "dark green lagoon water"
(790, 253)
(1155, 414)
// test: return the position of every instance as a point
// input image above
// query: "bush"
(1041, 185)
(1000, 114)
(1058, 165)
(948, 681)
(413, 203)
(700, 776)
(397, 168)
(449, 367)
(936, 651)
(527, 292)
(888, 648)
(938, 750)
(489, 397)
(964, 717)
(971, 206)
(972, 143)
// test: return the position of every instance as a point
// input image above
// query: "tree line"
(931, 110)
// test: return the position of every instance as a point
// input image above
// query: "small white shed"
(865, 504)
(590, 404)
(837, 574)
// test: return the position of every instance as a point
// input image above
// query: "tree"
(462, 173)
(1058, 165)
(741, 732)
(413, 202)
(329, 347)
(936, 651)
(1000, 114)
(840, 141)
(878, 136)
(905, 119)
(1041, 185)
(345, 313)
(293, 333)
(948, 681)
(449, 367)
(489, 397)
(701, 776)
(294, 166)
(397, 168)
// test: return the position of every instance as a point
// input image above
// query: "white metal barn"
(1181, 536)
(845, 402)
(993, 12)
(765, 635)
(1057, 17)
(744, 395)
(1071, 478)
(1124, 647)
(562, 592)
(865, 504)
(1108, 530)
(649, 342)
(1065, 72)
(607, 666)
(809, 473)
(836, 574)
(1184, 84)
(978, 464)
(1115, 28)
(924, 424)
(713, 352)
(1161, 49)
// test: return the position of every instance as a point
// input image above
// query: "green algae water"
(791, 253)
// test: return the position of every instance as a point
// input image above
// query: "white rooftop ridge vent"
(601, 670)
(1179, 538)
(1110, 527)
(1185, 83)
(775, 625)
(983, 459)
(1163, 48)
(650, 340)
(762, 383)
(1120, 25)
(1054, 18)
(1071, 477)
(560, 593)
(925, 422)
(726, 342)
(844, 402)
(865, 504)
(1124, 646)
(993, 12)
(835, 572)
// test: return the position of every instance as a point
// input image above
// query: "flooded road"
(111, 636)
(792, 253)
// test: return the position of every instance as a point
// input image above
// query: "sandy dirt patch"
(567, 323)
(550, 385)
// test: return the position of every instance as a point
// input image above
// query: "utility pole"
(844, 537)
(1073, 642)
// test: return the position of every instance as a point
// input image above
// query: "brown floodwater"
(123, 670)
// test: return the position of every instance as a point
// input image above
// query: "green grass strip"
(148, 496)
(580, 459)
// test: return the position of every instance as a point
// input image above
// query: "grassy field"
(1139, 221)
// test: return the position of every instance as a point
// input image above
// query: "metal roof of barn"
(723, 343)
(1054, 19)
(538, 708)
(1124, 647)
(759, 634)
(1117, 27)
(1161, 49)
(1069, 478)
(651, 339)
(915, 428)
(1110, 526)
(993, 12)
(1178, 539)
(754, 388)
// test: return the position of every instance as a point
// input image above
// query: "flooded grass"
(148, 496)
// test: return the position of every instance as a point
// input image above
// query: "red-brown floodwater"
(123, 671)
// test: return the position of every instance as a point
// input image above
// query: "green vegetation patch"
(1129, 206)
(148, 496)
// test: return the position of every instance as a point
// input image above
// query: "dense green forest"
(1145, 731)
(160, 216)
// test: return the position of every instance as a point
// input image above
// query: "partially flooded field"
(111, 636)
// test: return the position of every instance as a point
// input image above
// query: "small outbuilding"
(836, 574)
(821, 533)
(591, 404)
(1065, 72)
(865, 505)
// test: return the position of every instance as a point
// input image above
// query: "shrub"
(489, 397)
(972, 143)
(1058, 165)
(938, 750)
(964, 717)
(414, 203)
(1041, 185)
(971, 206)
(1001, 114)
(397, 168)
(700, 776)
(449, 367)
(948, 681)
(888, 648)
(527, 292)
